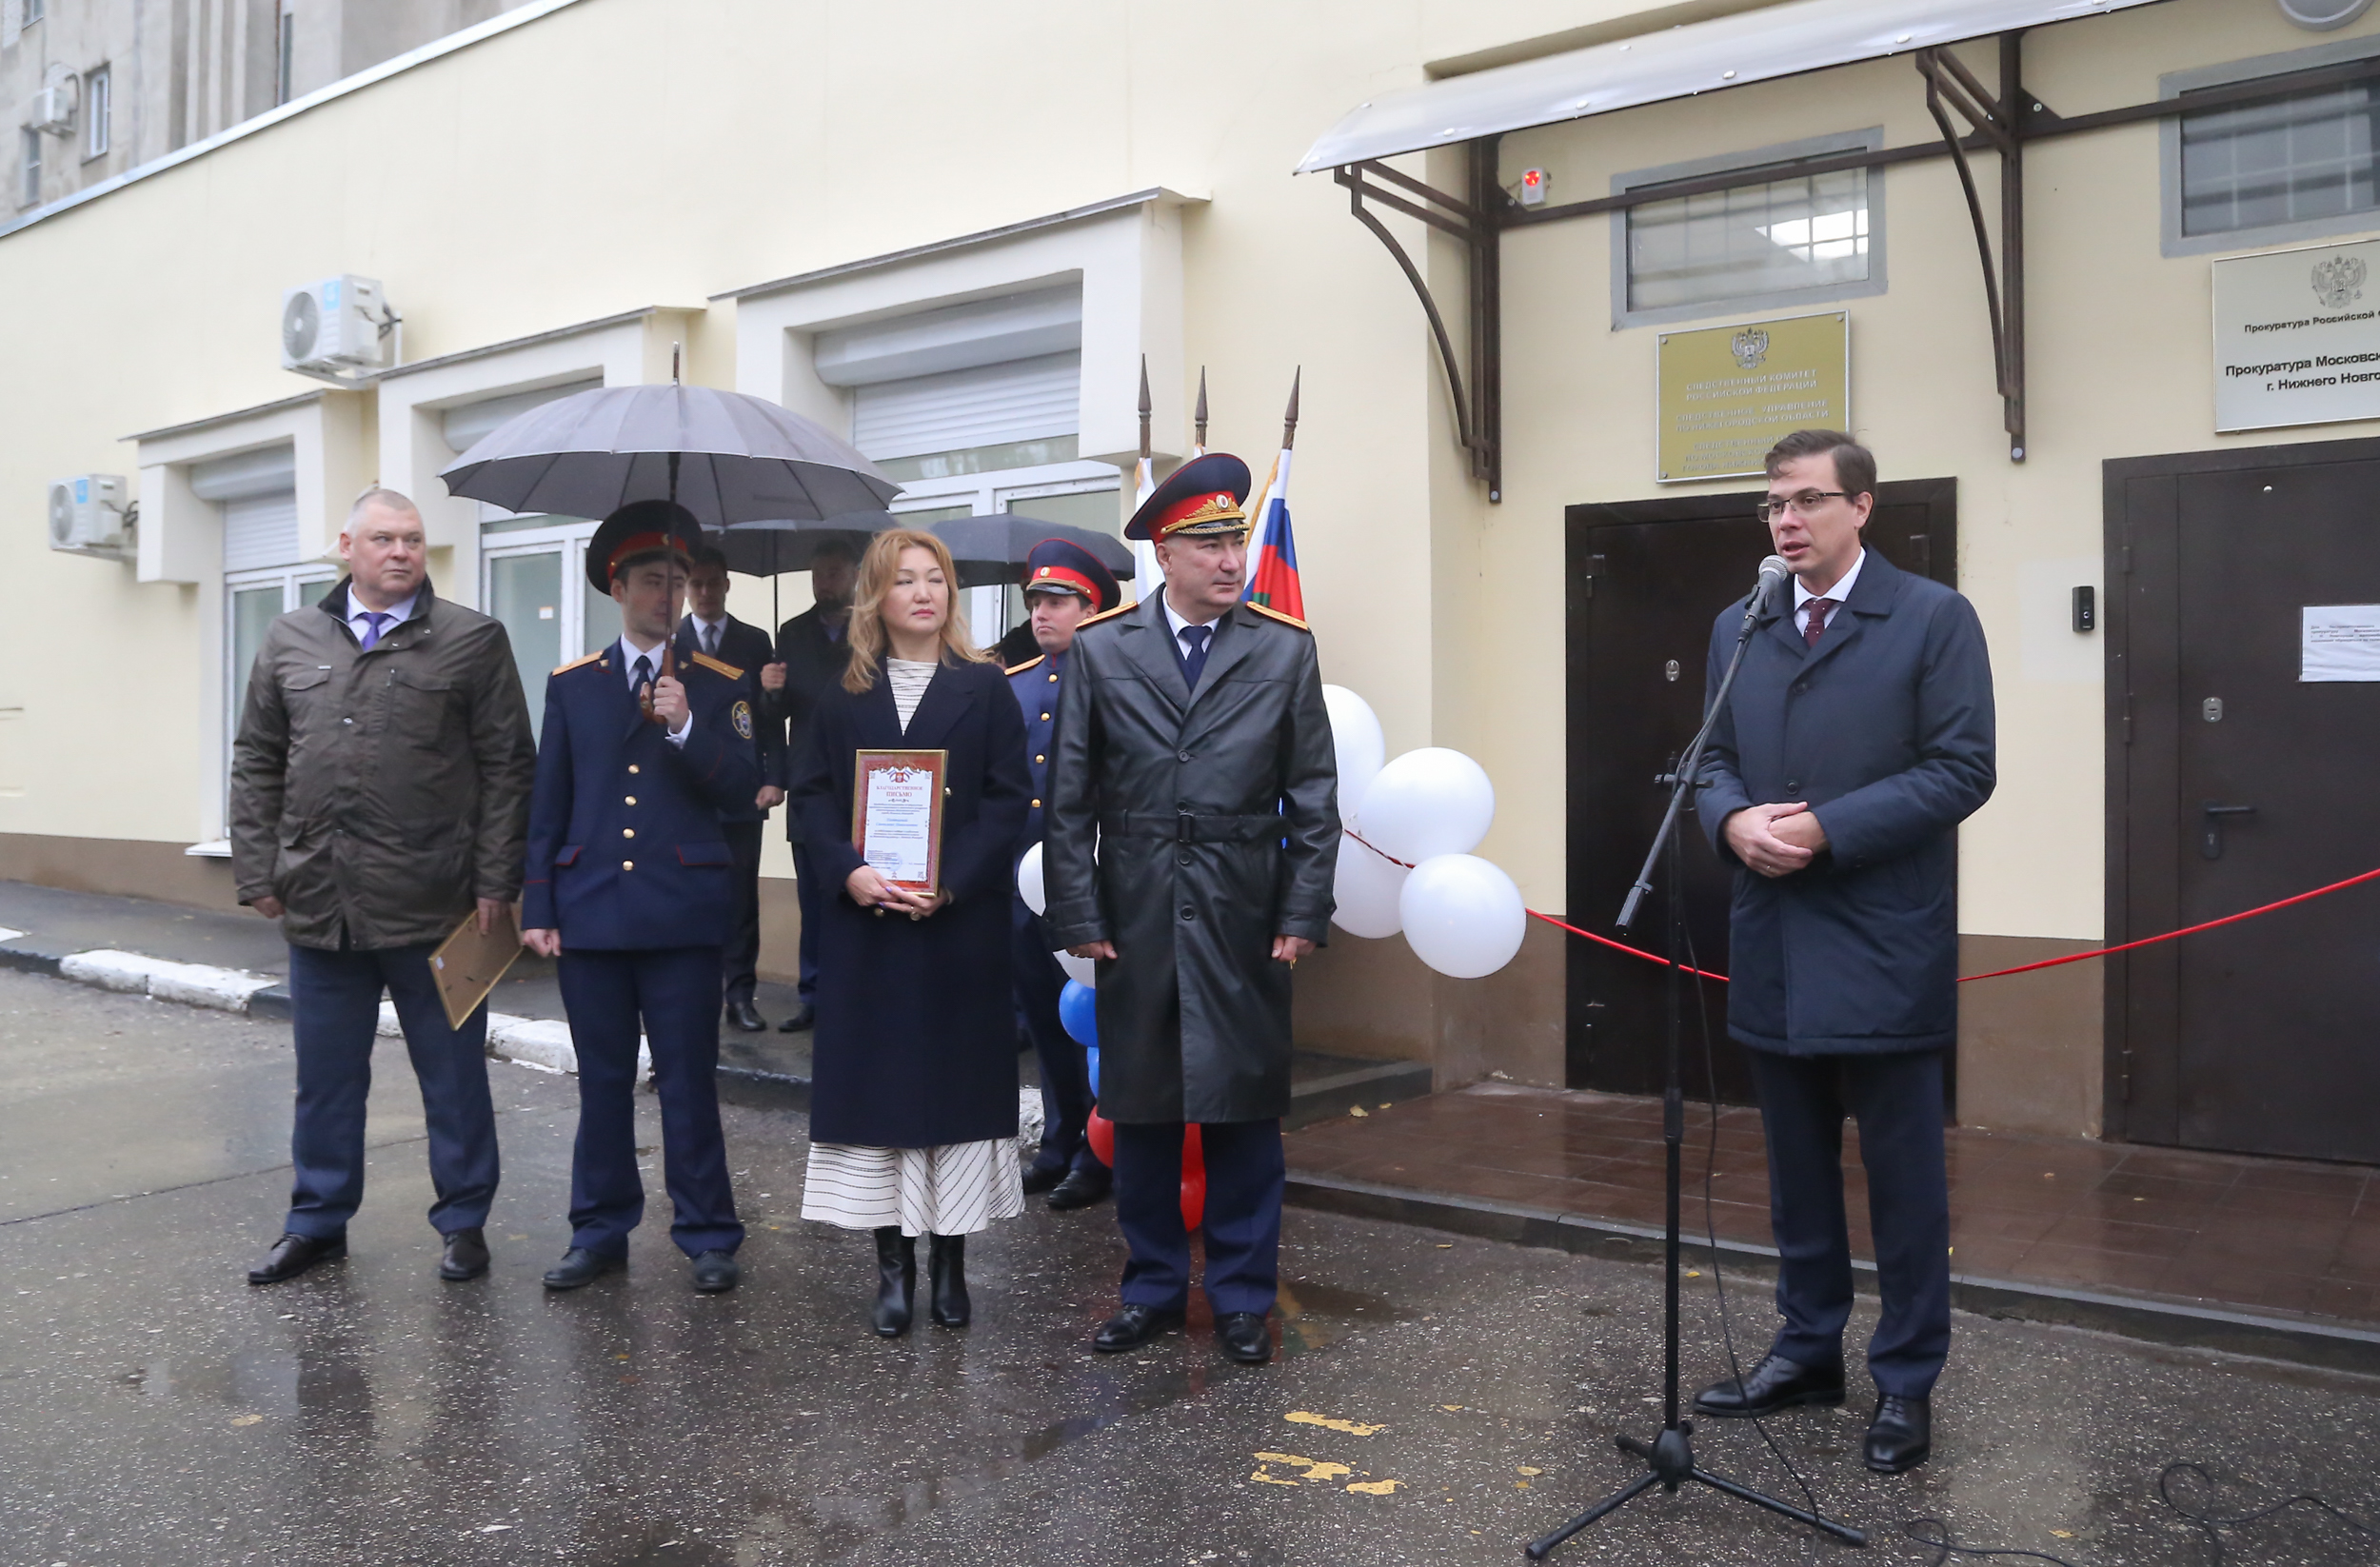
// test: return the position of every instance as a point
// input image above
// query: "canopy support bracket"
(1997, 122)
(1478, 416)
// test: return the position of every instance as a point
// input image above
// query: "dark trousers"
(675, 991)
(1065, 1070)
(741, 957)
(1896, 1098)
(812, 901)
(1244, 1174)
(335, 1002)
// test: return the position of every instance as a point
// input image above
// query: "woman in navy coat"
(913, 1097)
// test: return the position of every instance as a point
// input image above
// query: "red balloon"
(1101, 1133)
(1193, 1177)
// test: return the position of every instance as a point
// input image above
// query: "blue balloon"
(1078, 1012)
(1091, 1057)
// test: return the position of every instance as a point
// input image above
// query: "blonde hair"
(877, 569)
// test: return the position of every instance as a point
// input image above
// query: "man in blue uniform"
(1065, 584)
(628, 884)
(746, 651)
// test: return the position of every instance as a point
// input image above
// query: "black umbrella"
(771, 548)
(727, 457)
(989, 549)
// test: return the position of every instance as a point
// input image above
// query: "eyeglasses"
(1803, 503)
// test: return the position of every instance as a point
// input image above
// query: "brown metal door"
(2246, 783)
(1646, 579)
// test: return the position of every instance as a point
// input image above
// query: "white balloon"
(1366, 889)
(1463, 916)
(1084, 969)
(1356, 735)
(1029, 881)
(1428, 803)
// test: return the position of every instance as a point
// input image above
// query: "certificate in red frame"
(897, 815)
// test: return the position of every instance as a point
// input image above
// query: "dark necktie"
(1193, 640)
(373, 621)
(710, 640)
(1819, 610)
(641, 674)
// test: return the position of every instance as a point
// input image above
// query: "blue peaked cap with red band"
(1205, 495)
(1057, 565)
(640, 528)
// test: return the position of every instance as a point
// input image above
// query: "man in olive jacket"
(380, 790)
(1193, 748)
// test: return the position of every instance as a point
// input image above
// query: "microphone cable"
(1934, 1532)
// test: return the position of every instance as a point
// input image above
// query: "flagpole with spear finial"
(1271, 500)
(1146, 578)
(1200, 450)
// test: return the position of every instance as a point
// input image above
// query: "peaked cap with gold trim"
(1206, 495)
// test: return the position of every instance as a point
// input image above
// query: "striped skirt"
(957, 1188)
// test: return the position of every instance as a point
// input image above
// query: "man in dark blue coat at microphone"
(1857, 738)
(1065, 586)
(642, 759)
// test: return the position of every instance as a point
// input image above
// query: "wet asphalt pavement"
(1438, 1398)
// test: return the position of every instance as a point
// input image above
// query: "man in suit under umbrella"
(710, 630)
(814, 650)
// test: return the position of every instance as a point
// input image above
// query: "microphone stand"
(1670, 1457)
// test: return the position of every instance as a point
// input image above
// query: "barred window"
(1783, 236)
(2301, 159)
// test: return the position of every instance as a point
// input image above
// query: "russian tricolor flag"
(1273, 577)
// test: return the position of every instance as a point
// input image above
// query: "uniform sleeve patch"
(740, 716)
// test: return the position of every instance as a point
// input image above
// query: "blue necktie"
(640, 674)
(1193, 640)
(373, 621)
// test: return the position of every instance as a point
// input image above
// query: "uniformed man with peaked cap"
(1065, 584)
(1193, 830)
(629, 885)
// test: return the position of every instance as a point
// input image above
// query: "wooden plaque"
(897, 815)
(467, 965)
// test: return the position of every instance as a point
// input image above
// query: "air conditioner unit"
(54, 108)
(334, 326)
(86, 514)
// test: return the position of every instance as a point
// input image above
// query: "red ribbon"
(1994, 974)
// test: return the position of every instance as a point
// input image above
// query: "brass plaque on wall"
(1724, 394)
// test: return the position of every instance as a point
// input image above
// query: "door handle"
(2211, 837)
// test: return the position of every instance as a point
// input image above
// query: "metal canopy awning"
(1677, 63)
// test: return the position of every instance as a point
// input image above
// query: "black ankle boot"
(946, 1260)
(896, 1281)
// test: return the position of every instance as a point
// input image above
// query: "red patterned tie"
(1819, 610)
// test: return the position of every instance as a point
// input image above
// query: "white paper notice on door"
(2339, 642)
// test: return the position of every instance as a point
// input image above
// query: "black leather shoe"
(1775, 1383)
(1039, 1178)
(1080, 1190)
(1133, 1326)
(746, 1015)
(946, 1277)
(1244, 1336)
(465, 1258)
(579, 1268)
(798, 1022)
(896, 1281)
(1900, 1437)
(716, 1272)
(293, 1254)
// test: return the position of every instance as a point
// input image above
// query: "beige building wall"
(614, 155)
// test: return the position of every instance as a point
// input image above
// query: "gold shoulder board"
(576, 664)
(1276, 615)
(1106, 615)
(716, 667)
(1021, 668)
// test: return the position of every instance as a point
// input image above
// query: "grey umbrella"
(726, 456)
(992, 549)
(778, 546)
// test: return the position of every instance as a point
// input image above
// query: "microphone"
(1773, 573)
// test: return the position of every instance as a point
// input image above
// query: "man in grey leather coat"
(1193, 830)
